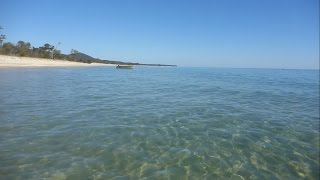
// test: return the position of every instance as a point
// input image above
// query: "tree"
(23, 48)
(48, 47)
(46, 51)
(56, 54)
(2, 37)
(35, 52)
(73, 55)
(7, 48)
(73, 51)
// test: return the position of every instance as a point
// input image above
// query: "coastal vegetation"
(48, 51)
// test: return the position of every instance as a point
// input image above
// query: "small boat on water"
(124, 66)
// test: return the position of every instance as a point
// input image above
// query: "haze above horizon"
(239, 34)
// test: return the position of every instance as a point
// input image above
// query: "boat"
(124, 66)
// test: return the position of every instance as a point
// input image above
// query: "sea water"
(159, 123)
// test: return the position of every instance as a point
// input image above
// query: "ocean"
(159, 123)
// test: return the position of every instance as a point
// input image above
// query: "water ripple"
(159, 123)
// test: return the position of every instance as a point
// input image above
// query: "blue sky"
(215, 33)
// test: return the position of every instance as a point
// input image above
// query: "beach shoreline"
(15, 61)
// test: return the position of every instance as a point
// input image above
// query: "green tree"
(46, 51)
(73, 55)
(7, 48)
(48, 47)
(56, 54)
(23, 48)
(2, 37)
(73, 51)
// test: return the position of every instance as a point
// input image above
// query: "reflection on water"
(159, 123)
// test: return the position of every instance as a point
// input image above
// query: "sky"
(198, 33)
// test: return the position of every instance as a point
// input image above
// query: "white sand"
(14, 61)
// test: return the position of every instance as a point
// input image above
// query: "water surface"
(158, 123)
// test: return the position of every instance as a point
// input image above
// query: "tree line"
(22, 48)
(25, 49)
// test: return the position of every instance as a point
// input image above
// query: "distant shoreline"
(15, 61)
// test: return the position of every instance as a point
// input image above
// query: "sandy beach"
(14, 61)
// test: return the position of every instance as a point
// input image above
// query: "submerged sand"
(14, 61)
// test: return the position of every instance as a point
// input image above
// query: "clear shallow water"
(159, 123)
